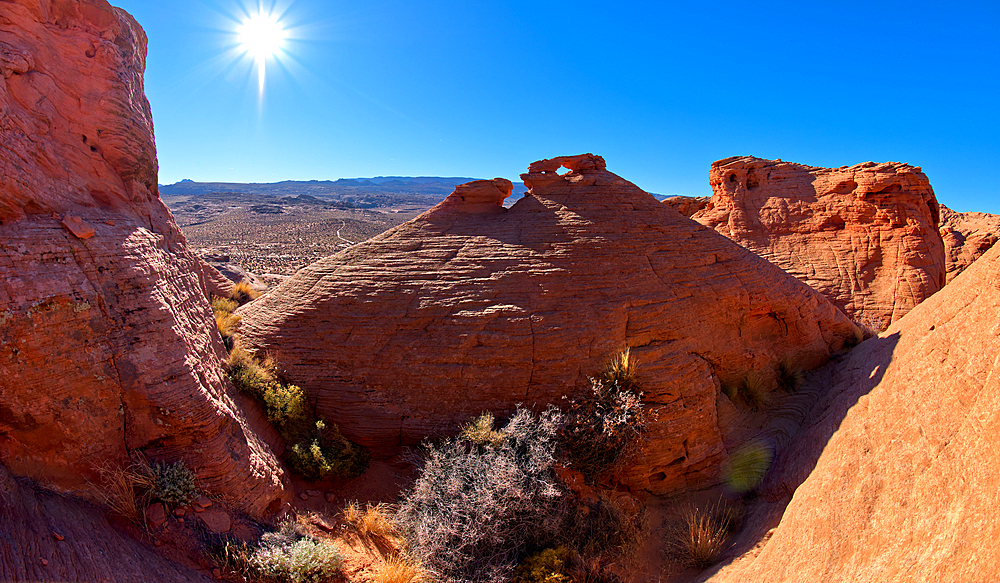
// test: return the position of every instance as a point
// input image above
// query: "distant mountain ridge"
(435, 186)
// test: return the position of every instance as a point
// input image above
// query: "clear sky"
(661, 89)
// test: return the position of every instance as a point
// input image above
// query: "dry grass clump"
(315, 450)
(375, 521)
(790, 375)
(703, 533)
(242, 293)
(605, 431)
(224, 305)
(125, 489)
(225, 320)
(754, 391)
(401, 569)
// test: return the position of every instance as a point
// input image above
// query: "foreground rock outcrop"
(967, 237)
(866, 236)
(898, 467)
(107, 342)
(474, 307)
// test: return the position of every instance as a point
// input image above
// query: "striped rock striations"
(473, 307)
(107, 342)
(865, 236)
(967, 236)
(895, 478)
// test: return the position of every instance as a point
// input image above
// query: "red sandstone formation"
(898, 468)
(686, 205)
(107, 343)
(865, 236)
(967, 236)
(473, 307)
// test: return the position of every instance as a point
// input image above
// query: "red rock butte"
(866, 236)
(108, 344)
(473, 307)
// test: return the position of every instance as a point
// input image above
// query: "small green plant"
(243, 293)
(702, 534)
(481, 432)
(324, 452)
(602, 433)
(314, 450)
(173, 483)
(548, 566)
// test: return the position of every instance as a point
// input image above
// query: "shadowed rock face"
(896, 473)
(107, 343)
(967, 236)
(865, 236)
(473, 307)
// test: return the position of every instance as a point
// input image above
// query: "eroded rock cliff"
(967, 236)
(474, 307)
(898, 465)
(866, 236)
(107, 342)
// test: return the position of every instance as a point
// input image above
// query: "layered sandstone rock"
(474, 307)
(865, 236)
(687, 205)
(107, 343)
(967, 236)
(47, 537)
(898, 468)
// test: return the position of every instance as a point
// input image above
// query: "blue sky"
(660, 89)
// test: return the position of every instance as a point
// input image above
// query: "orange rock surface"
(473, 307)
(967, 236)
(107, 342)
(866, 236)
(898, 467)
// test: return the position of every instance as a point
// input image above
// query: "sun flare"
(261, 36)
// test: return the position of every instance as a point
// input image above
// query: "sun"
(261, 36)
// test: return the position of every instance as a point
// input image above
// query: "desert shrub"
(548, 566)
(242, 293)
(605, 431)
(315, 450)
(702, 533)
(303, 561)
(173, 483)
(790, 375)
(324, 452)
(227, 325)
(125, 489)
(481, 432)
(473, 512)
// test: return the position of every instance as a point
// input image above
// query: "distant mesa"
(866, 236)
(474, 307)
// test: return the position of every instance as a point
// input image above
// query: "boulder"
(473, 307)
(895, 476)
(866, 236)
(107, 342)
(967, 236)
(687, 205)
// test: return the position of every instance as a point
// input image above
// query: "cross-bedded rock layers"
(107, 342)
(895, 476)
(473, 307)
(866, 236)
